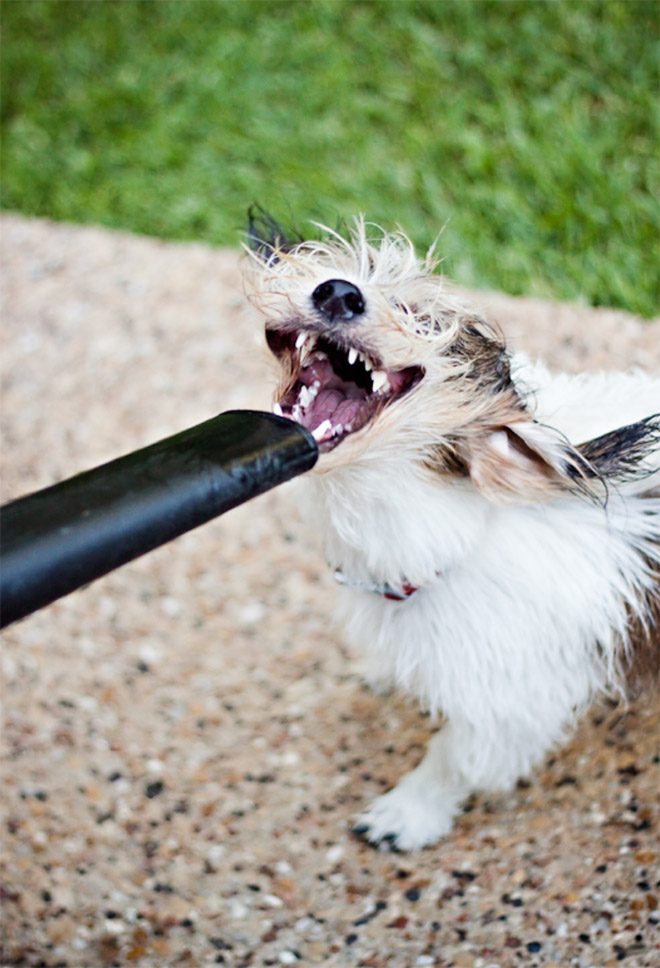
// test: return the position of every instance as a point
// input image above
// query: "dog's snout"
(338, 300)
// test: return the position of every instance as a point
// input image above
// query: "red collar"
(378, 588)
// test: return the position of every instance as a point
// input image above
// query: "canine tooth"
(277, 410)
(368, 365)
(352, 355)
(321, 430)
(302, 338)
(379, 380)
(308, 345)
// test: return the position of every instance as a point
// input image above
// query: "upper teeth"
(305, 343)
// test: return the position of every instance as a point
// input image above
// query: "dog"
(496, 528)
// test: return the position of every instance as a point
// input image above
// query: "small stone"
(135, 952)
(171, 606)
(288, 957)
(214, 854)
(61, 931)
(464, 959)
(252, 613)
(645, 857)
(335, 853)
(236, 908)
(272, 900)
(399, 922)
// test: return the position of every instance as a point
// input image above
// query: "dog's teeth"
(368, 365)
(352, 356)
(303, 397)
(302, 338)
(277, 410)
(380, 381)
(307, 347)
(321, 430)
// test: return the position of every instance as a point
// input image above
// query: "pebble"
(272, 900)
(334, 854)
(288, 958)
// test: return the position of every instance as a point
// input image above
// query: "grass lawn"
(529, 128)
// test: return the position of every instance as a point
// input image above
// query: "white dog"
(497, 527)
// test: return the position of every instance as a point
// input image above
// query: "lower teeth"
(319, 432)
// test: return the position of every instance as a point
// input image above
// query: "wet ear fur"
(266, 237)
(527, 462)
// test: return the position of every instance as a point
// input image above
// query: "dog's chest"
(386, 524)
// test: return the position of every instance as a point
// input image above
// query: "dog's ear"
(266, 236)
(526, 462)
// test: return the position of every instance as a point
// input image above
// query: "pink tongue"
(323, 408)
(331, 405)
(320, 370)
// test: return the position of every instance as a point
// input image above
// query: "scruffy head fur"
(498, 527)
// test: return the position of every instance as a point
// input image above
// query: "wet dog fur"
(496, 526)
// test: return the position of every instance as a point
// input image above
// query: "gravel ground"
(187, 741)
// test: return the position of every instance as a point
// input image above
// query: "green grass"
(530, 128)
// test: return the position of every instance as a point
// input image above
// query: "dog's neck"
(389, 521)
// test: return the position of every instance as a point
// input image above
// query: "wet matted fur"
(497, 527)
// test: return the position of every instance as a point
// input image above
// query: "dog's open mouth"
(334, 390)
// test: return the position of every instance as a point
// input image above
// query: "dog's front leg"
(460, 760)
(421, 807)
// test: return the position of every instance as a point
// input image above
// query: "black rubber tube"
(58, 539)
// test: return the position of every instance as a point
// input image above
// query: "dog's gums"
(334, 390)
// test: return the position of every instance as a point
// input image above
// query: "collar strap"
(378, 588)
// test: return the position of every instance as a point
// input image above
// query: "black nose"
(338, 300)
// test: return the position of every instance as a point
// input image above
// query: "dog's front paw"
(406, 820)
